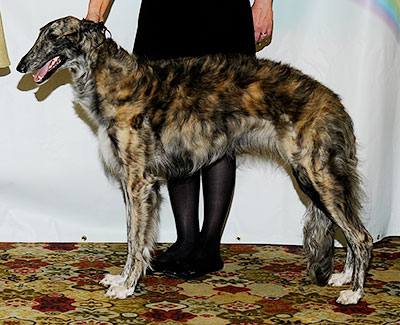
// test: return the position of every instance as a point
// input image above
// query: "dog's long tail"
(318, 244)
(318, 233)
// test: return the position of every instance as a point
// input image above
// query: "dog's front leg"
(113, 280)
(142, 200)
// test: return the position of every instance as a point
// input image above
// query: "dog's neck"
(84, 88)
(95, 68)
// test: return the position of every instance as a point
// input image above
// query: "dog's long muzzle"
(21, 67)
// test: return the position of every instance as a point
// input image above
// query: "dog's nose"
(21, 67)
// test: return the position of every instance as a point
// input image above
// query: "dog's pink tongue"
(42, 72)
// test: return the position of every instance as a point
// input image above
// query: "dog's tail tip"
(322, 278)
(321, 272)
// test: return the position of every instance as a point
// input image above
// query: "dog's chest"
(108, 154)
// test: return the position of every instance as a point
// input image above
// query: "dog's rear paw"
(119, 292)
(112, 280)
(339, 279)
(349, 297)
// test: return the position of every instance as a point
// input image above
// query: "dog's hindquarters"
(327, 174)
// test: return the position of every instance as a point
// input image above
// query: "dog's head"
(60, 44)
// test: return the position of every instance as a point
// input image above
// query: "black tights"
(218, 183)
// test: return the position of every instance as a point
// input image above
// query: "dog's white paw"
(119, 292)
(349, 297)
(339, 279)
(112, 280)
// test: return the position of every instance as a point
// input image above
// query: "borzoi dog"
(169, 118)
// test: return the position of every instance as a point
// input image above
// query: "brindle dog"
(168, 118)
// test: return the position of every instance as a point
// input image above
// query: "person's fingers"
(269, 29)
(262, 28)
(257, 36)
(260, 35)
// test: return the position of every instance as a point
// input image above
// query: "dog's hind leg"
(143, 200)
(344, 277)
(338, 189)
(359, 252)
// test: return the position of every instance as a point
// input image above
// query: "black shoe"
(185, 270)
(160, 266)
(165, 260)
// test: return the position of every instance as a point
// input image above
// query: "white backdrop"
(52, 187)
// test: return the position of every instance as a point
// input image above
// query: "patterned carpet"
(260, 284)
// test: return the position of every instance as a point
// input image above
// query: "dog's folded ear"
(91, 34)
(88, 25)
(70, 26)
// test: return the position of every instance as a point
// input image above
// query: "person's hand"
(97, 10)
(262, 19)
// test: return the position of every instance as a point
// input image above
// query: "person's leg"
(218, 185)
(184, 198)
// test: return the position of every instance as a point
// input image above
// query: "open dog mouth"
(47, 70)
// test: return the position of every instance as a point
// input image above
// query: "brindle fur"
(168, 118)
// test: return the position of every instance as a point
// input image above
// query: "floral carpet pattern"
(45, 283)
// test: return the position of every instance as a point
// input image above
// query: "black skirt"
(178, 28)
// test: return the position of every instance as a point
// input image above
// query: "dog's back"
(217, 103)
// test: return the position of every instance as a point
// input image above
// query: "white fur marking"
(107, 154)
(112, 280)
(339, 279)
(146, 254)
(120, 292)
(349, 297)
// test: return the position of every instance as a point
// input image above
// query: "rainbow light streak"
(388, 10)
